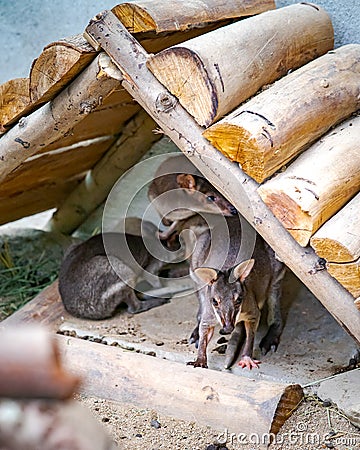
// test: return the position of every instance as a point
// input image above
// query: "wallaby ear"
(186, 181)
(206, 274)
(242, 270)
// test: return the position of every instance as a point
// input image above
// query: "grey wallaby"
(99, 274)
(232, 292)
(179, 191)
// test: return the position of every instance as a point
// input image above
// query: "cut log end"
(14, 99)
(288, 403)
(182, 72)
(347, 274)
(288, 212)
(331, 250)
(134, 18)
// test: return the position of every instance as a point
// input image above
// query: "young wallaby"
(233, 293)
(179, 191)
(99, 274)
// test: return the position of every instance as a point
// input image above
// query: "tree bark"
(214, 73)
(157, 15)
(318, 183)
(277, 124)
(338, 240)
(228, 178)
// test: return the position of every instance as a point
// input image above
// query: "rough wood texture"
(210, 397)
(214, 73)
(277, 124)
(30, 365)
(14, 100)
(57, 65)
(136, 139)
(56, 118)
(338, 240)
(318, 183)
(227, 177)
(157, 15)
(347, 274)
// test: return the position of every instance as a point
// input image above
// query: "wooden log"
(31, 365)
(56, 118)
(136, 139)
(347, 274)
(59, 63)
(217, 399)
(50, 425)
(357, 303)
(157, 15)
(14, 100)
(276, 125)
(212, 79)
(318, 183)
(338, 240)
(227, 177)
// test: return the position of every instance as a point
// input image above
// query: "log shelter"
(94, 100)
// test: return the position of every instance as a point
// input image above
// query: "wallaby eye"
(215, 302)
(211, 198)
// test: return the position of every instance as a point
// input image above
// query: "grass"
(21, 281)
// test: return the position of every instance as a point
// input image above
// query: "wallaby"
(179, 191)
(99, 274)
(231, 292)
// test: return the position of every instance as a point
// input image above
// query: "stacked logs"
(308, 111)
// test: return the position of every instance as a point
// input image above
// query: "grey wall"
(27, 26)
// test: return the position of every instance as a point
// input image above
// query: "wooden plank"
(14, 100)
(58, 117)
(227, 177)
(211, 79)
(317, 184)
(41, 198)
(338, 240)
(160, 16)
(52, 166)
(59, 63)
(210, 397)
(276, 125)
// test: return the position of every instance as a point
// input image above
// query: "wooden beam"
(317, 184)
(277, 124)
(338, 240)
(217, 399)
(232, 182)
(212, 74)
(157, 15)
(56, 118)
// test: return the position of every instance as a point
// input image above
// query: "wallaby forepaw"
(198, 363)
(248, 362)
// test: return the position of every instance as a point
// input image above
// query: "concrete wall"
(27, 26)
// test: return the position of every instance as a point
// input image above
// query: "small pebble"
(329, 444)
(159, 343)
(155, 424)
(326, 403)
(105, 419)
(138, 435)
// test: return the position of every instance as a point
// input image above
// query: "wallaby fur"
(233, 293)
(95, 278)
(179, 191)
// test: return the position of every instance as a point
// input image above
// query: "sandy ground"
(314, 425)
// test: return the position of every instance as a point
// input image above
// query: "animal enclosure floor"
(313, 346)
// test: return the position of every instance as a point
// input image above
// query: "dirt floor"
(314, 425)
